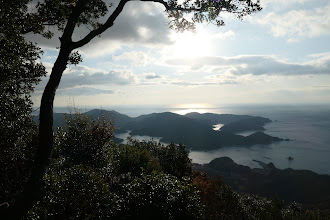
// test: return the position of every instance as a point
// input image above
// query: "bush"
(78, 192)
(173, 158)
(160, 196)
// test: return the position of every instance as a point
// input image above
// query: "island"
(195, 130)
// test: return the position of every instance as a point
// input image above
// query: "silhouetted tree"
(67, 15)
(20, 71)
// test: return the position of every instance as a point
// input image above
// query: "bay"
(307, 126)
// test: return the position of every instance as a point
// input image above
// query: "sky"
(280, 55)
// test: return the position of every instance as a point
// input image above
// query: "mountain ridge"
(193, 129)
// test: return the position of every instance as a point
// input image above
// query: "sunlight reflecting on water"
(217, 127)
(189, 110)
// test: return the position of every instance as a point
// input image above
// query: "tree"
(19, 72)
(67, 15)
(160, 196)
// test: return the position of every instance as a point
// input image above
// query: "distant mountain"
(117, 118)
(232, 123)
(212, 119)
(194, 129)
(302, 186)
(174, 127)
(195, 133)
(247, 124)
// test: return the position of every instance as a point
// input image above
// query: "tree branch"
(71, 24)
(102, 28)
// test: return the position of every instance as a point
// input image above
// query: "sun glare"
(190, 44)
(195, 107)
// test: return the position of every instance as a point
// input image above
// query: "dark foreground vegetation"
(92, 177)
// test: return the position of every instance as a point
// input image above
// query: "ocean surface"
(307, 126)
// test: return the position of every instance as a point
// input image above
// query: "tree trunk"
(34, 186)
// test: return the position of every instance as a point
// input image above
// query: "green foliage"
(221, 202)
(57, 12)
(86, 141)
(75, 58)
(93, 178)
(185, 16)
(173, 158)
(76, 192)
(133, 160)
(160, 196)
(20, 72)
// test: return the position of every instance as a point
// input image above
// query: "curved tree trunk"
(34, 186)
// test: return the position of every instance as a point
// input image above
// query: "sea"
(307, 127)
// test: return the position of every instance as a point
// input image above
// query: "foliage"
(160, 196)
(221, 202)
(57, 12)
(93, 178)
(185, 16)
(76, 192)
(20, 72)
(85, 141)
(173, 158)
(133, 160)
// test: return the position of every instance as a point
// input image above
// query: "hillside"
(302, 186)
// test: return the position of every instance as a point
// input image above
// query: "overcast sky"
(280, 55)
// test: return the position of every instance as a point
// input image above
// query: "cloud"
(299, 24)
(137, 58)
(213, 80)
(81, 76)
(152, 76)
(140, 23)
(84, 91)
(223, 79)
(143, 22)
(186, 83)
(255, 65)
(227, 35)
(265, 3)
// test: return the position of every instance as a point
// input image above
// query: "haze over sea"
(307, 126)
